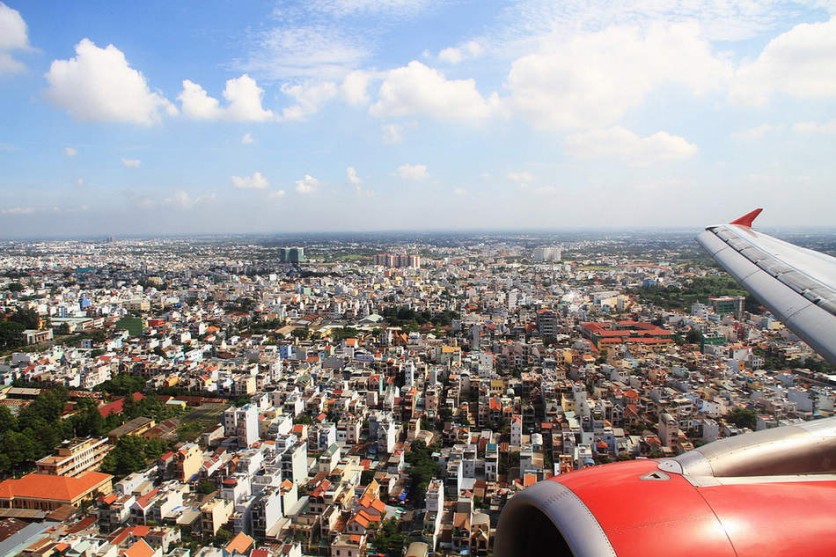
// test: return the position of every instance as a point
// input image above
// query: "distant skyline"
(159, 118)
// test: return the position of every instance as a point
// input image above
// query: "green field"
(199, 420)
(132, 324)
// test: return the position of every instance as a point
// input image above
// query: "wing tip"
(747, 219)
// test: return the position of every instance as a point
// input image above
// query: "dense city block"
(362, 395)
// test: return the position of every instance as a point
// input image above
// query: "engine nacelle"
(771, 492)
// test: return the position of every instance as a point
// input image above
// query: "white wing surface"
(798, 285)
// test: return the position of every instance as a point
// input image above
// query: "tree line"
(43, 425)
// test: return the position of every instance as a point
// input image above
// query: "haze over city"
(194, 117)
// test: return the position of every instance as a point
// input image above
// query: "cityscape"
(334, 397)
(417, 278)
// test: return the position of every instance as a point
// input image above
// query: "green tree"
(18, 448)
(389, 539)
(132, 454)
(422, 469)
(29, 318)
(88, 421)
(742, 417)
(8, 421)
(223, 537)
(693, 337)
(11, 334)
(205, 487)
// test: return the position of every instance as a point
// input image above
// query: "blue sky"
(221, 116)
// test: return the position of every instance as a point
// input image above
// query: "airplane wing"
(798, 285)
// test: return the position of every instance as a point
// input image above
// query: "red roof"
(56, 488)
(117, 405)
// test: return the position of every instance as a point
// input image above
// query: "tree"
(8, 421)
(11, 334)
(29, 318)
(132, 454)
(18, 448)
(389, 539)
(205, 487)
(300, 333)
(693, 337)
(422, 469)
(15, 287)
(742, 417)
(223, 537)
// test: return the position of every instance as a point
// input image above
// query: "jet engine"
(770, 492)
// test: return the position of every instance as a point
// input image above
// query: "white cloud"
(754, 134)
(183, 200)
(419, 89)
(593, 79)
(456, 54)
(256, 181)
(522, 179)
(197, 103)
(800, 63)
(354, 87)
(722, 20)
(13, 36)
(624, 145)
(308, 51)
(461, 192)
(18, 211)
(309, 98)
(352, 177)
(827, 128)
(412, 171)
(99, 85)
(277, 194)
(247, 139)
(131, 163)
(343, 8)
(392, 133)
(79, 182)
(243, 96)
(70, 151)
(308, 184)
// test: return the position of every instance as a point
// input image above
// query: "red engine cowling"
(766, 493)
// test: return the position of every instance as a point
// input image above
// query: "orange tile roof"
(362, 519)
(56, 488)
(140, 531)
(240, 543)
(139, 549)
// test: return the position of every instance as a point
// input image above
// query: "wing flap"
(796, 284)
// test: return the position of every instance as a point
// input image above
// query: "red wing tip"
(747, 219)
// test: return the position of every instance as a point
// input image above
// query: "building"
(394, 260)
(46, 492)
(603, 334)
(728, 305)
(242, 423)
(137, 426)
(546, 254)
(37, 336)
(547, 323)
(215, 514)
(294, 459)
(291, 255)
(74, 458)
(188, 461)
